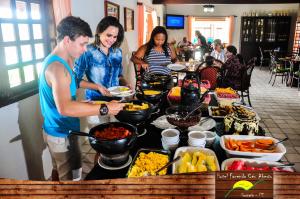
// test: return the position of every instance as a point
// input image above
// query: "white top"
(219, 55)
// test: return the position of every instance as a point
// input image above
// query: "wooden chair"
(138, 73)
(246, 80)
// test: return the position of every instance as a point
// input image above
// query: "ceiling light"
(208, 8)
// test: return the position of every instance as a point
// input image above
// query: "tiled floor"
(278, 106)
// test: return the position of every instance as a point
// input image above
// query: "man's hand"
(114, 107)
(104, 91)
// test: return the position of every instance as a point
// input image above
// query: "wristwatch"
(103, 110)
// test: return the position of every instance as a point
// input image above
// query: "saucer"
(104, 166)
(206, 125)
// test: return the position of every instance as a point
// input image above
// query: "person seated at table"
(183, 48)
(184, 43)
(156, 54)
(210, 70)
(218, 52)
(232, 68)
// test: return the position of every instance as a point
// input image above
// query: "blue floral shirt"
(99, 68)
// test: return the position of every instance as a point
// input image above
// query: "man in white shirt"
(218, 52)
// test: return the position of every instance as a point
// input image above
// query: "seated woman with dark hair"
(232, 68)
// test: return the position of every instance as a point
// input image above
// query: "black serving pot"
(116, 146)
(135, 117)
(156, 82)
(155, 98)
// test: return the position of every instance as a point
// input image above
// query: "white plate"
(101, 164)
(115, 91)
(162, 123)
(252, 162)
(203, 126)
(192, 149)
(176, 67)
(281, 150)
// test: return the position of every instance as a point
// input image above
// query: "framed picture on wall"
(112, 9)
(128, 19)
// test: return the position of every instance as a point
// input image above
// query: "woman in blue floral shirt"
(102, 62)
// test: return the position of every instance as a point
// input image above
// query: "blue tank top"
(56, 124)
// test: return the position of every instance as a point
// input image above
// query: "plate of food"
(120, 91)
(147, 162)
(195, 159)
(176, 67)
(255, 147)
(245, 164)
(219, 111)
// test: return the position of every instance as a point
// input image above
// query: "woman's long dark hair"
(150, 44)
(104, 24)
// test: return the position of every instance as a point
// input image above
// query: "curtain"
(141, 28)
(62, 9)
(154, 18)
(231, 29)
(190, 27)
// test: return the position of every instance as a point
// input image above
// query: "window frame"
(9, 95)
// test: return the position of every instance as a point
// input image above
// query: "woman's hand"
(114, 107)
(145, 66)
(104, 91)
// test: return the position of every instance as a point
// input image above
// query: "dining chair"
(211, 73)
(138, 73)
(278, 69)
(263, 59)
(295, 74)
(246, 80)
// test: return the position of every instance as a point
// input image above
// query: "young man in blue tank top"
(57, 89)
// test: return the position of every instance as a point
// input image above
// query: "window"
(213, 28)
(25, 39)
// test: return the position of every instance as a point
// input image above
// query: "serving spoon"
(275, 144)
(146, 173)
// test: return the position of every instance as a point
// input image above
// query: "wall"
(130, 42)
(226, 10)
(22, 152)
(92, 11)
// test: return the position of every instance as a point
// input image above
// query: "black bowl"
(155, 98)
(176, 116)
(116, 146)
(134, 117)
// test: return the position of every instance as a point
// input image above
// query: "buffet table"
(152, 139)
